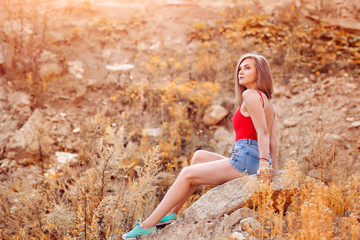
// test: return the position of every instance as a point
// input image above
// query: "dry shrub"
(176, 108)
(316, 211)
(23, 35)
(92, 199)
(288, 38)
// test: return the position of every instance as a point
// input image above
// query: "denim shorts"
(245, 156)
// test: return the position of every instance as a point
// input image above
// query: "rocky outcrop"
(24, 144)
(214, 115)
(222, 140)
(228, 209)
(37, 137)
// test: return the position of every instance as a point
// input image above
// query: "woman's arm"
(273, 144)
(254, 107)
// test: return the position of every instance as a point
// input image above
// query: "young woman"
(253, 152)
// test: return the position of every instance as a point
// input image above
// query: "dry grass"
(119, 176)
(316, 211)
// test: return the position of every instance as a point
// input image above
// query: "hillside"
(86, 81)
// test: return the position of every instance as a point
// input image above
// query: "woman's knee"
(197, 157)
(185, 173)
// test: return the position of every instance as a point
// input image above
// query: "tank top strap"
(261, 98)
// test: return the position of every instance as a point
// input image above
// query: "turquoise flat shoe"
(167, 220)
(139, 231)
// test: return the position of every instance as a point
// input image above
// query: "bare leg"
(200, 156)
(213, 173)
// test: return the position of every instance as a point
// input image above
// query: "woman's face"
(247, 73)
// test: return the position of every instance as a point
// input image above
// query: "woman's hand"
(265, 171)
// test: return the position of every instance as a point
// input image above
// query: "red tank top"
(244, 127)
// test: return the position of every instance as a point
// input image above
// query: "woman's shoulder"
(251, 94)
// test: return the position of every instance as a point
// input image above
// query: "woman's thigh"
(211, 173)
(202, 156)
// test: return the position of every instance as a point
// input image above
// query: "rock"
(2, 60)
(4, 164)
(278, 92)
(25, 138)
(50, 70)
(19, 99)
(24, 145)
(313, 78)
(298, 102)
(112, 78)
(355, 124)
(76, 68)
(292, 122)
(238, 236)
(332, 136)
(155, 46)
(20, 104)
(343, 23)
(230, 221)
(2, 93)
(231, 196)
(47, 56)
(120, 67)
(222, 210)
(214, 115)
(222, 140)
(16, 26)
(55, 38)
(250, 225)
(65, 157)
(294, 90)
(153, 132)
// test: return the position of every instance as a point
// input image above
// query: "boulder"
(228, 209)
(231, 196)
(25, 145)
(20, 103)
(214, 115)
(223, 140)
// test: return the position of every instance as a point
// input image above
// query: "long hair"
(263, 80)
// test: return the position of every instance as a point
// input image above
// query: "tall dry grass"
(308, 208)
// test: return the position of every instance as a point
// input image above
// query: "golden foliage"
(316, 210)
(296, 45)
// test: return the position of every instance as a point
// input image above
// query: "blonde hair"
(263, 80)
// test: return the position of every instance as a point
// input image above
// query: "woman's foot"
(139, 231)
(167, 219)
